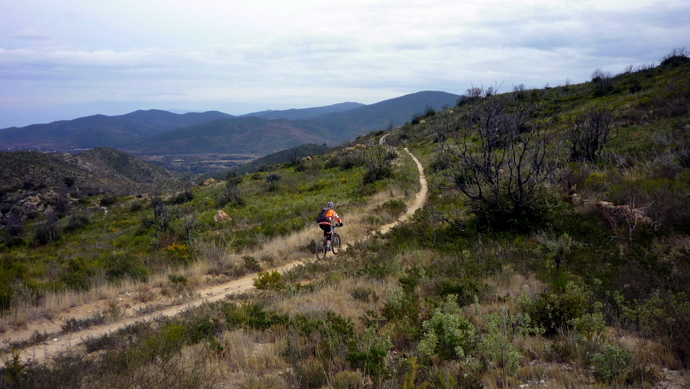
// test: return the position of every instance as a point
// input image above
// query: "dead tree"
(498, 160)
(588, 135)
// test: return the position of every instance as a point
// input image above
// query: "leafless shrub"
(588, 135)
(189, 223)
(501, 172)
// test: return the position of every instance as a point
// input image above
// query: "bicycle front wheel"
(335, 243)
(320, 249)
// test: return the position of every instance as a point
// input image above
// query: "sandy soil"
(130, 307)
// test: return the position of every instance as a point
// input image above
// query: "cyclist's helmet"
(330, 204)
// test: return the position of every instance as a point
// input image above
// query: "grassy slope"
(442, 301)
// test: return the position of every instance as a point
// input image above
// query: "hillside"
(34, 183)
(108, 170)
(552, 251)
(391, 113)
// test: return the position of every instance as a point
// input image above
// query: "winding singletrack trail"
(64, 342)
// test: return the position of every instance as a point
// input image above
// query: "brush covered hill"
(110, 170)
(552, 252)
(295, 155)
(347, 125)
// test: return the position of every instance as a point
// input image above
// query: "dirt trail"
(63, 342)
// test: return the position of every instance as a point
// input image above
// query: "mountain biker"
(325, 219)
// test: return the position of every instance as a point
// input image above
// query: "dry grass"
(248, 359)
(338, 298)
(250, 352)
(509, 284)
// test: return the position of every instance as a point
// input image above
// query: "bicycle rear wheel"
(335, 243)
(320, 249)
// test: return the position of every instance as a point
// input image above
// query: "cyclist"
(325, 219)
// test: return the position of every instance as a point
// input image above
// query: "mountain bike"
(321, 244)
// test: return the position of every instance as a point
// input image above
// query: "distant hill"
(259, 136)
(284, 156)
(99, 130)
(246, 135)
(305, 113)
(352, 123)
(107, 170)
(161, 133)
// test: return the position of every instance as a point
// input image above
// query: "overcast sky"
(63, 59)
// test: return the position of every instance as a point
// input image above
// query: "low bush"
(557, 311)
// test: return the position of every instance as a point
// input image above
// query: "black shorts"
(327, 229)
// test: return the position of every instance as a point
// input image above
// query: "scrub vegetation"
(553, 251)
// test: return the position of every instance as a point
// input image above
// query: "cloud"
(30, 34)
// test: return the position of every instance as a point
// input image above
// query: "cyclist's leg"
(327, 231)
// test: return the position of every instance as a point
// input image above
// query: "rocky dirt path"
(63, 342)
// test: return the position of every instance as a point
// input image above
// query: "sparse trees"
(520, 91)
(676, 57)
(378, 160)
(602, 82)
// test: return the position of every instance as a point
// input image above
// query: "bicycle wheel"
(320, 249)
(335, 243)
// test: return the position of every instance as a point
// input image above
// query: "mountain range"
(161, 133)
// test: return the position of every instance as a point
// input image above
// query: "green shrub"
(121, 264)
(182, 198)
(251, 264)
(364, 295)
(400, 305)
(348, 380)
(177, 279)
(556, 311)
(448, 333)
(76, 222)
(108, 201)
(369, 353)
(394, 207)
(271, 280)
(611, 364)
(47, 232)
(78, 273)
(495, 347)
